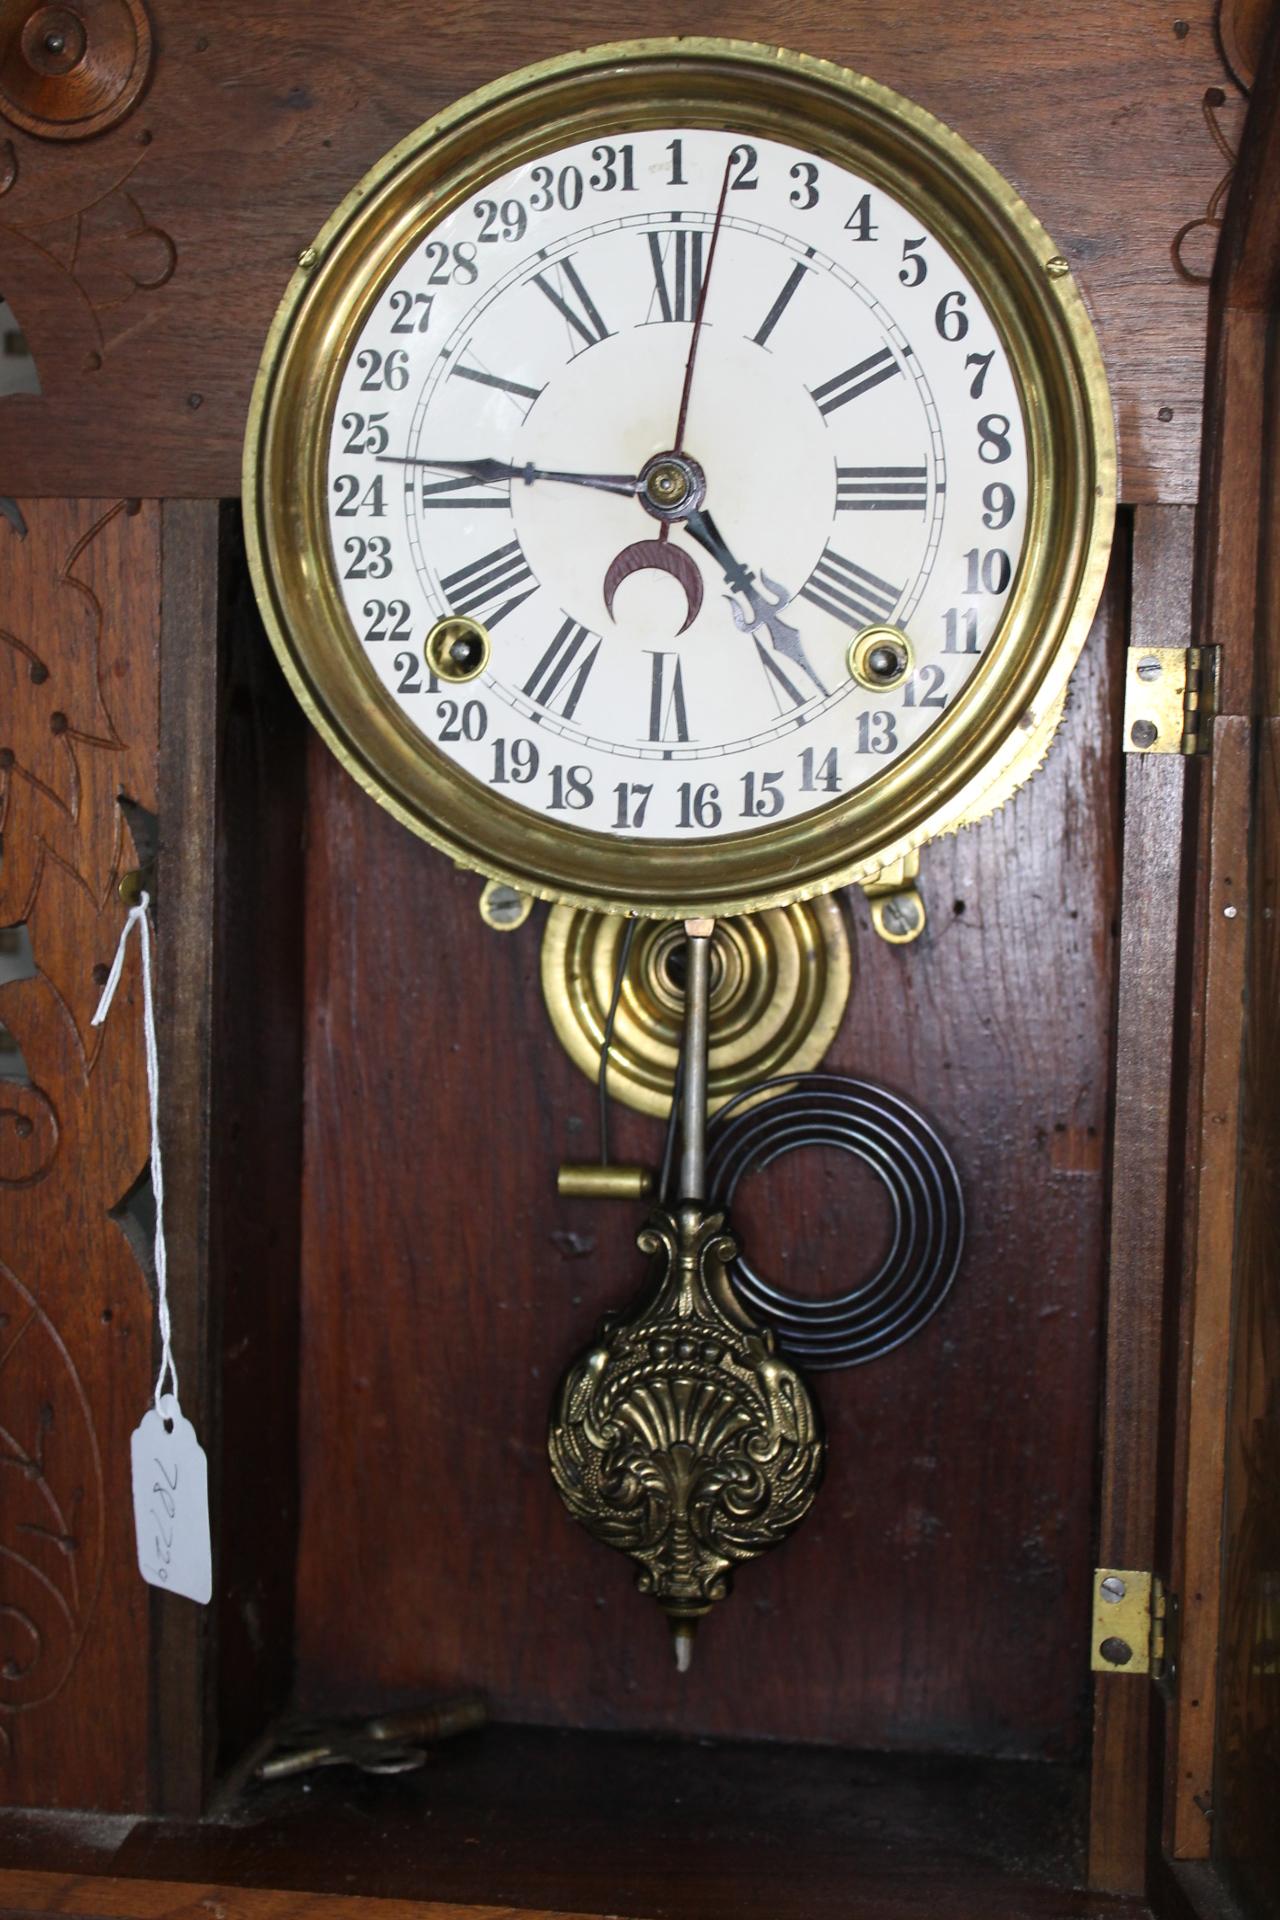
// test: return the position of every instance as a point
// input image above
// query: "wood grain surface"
(1227, 1374)
(1246, 1840)
(144, 265)
(520, 1820)
(79, 633)
(1151, 910)
(937, 1597)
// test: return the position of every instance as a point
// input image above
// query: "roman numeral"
(848, 385)
(516, 388)
(859, 598)
(677, 272)
(570, 298)
(881, 489)
(479, 587)
(780, 305)
(668, 716)
(563, 669)
(462, 491)
(786, 694)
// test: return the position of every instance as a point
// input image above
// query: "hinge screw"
(1113, 1588)
(1117, 1651)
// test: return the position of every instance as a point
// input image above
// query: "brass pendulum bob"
(680, 1437)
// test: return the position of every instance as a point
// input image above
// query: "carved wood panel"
(79, 594)
(145, 264)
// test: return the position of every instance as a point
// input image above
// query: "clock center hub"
(672, 486)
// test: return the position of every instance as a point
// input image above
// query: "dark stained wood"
(938, 1594)
(24, 1893)
(1198, 1574)
(1150, 908)
(79, 635)
(1247, 276)
(1245, 1834)
(667, 1830)
(145, 265)
(1246, 1840)
(181, 1730)
(255, 1154)
(230, 1030)
(1212, 1791)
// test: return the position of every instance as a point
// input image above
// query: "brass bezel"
(995, 731)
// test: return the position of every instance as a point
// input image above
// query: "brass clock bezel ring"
(986, 741)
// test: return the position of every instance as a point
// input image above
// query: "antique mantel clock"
(679, 484)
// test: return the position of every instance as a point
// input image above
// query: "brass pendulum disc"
(779, 985)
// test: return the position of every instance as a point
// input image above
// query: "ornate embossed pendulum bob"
(680, 1437)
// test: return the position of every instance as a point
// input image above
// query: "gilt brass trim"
(681, 1437)
(981, 747)
(779, 986)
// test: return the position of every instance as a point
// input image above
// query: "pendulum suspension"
(681, 1437)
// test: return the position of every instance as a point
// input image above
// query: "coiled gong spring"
(898, 1144)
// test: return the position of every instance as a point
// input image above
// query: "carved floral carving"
(51, 1530)
(78, 722)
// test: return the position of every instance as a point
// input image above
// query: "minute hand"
(763, 613)
(488, 471)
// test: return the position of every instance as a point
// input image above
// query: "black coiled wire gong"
(897, 1143)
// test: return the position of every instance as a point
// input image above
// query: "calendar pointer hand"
(760, 612)
(487, 472)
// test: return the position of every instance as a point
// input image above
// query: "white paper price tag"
(171, 1503)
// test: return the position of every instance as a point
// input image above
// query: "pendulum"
(680, 1437)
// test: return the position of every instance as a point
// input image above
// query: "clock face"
(760, 579)
(680, 479)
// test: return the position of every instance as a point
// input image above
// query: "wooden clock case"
(374, 1283)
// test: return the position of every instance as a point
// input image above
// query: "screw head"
(1144, 733)
(1117, 1651)
(1113, 1589)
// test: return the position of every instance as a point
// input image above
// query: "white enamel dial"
(851, 413)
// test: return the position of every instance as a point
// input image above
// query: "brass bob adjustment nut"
(880, 658)
(457, 649)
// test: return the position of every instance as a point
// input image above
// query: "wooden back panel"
(938, 1595)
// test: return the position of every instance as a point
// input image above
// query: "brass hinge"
(1132, 1616)
(1169, 699)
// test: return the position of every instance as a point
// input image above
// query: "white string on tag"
(170, 1472)
(138, 917)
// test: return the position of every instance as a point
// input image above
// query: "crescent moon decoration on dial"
(656, 556)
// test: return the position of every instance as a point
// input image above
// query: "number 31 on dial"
(677, 482)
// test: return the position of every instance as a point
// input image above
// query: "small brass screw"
(1056, 267)
(307, 258)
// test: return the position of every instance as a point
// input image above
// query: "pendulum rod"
(693, 1096)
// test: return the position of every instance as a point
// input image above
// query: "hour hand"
(489, 471)
(759, 611)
